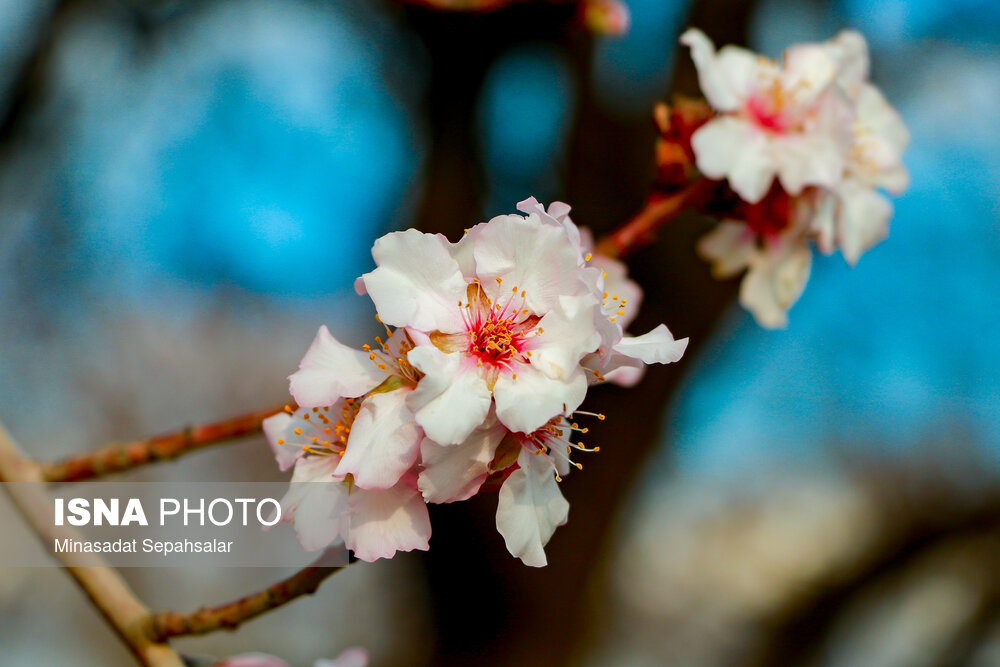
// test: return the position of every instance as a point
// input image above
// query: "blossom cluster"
(490, 346)
(805, 145)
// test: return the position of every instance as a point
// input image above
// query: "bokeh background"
(189, 187)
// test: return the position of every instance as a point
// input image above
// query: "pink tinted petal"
(417, 282)
(451, 399)
(384, 441)
(625, 375)
(531, 400)
(384, 522)
(530, 508)
(455, 472)
(330, 371)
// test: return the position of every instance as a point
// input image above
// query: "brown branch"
(639, 230)
(120, 457)
(167, 624)
(102, 584)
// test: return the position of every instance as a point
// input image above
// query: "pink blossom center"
(499, 336)
(768, 110)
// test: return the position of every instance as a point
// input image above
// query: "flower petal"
(809, 159)
(864, 219)
(775, 281)
(417, 282)
(654, 347)
(384, 522)
(276, 428)
(451, 399)
(384, 441)
(725, 78)
(330, 371)
(729, 247)
(567, 333)
(535, 258)
(730, 147)
(531, 400)
(530, 508)
(455, 472)
(315, 502)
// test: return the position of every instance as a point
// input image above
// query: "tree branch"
(639, 230)
(121, 457)
(102, 584)
(167, 624)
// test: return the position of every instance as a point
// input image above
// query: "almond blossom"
(786, 120)
(324, 501)
(530, 505)
(490, 346)
(853, 140)
(503, 316)
(620, 358)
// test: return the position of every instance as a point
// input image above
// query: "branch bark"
(640, 229)
(167, 624)
(102, 584)
(125, 456)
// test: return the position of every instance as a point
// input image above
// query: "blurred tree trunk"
(489, 608)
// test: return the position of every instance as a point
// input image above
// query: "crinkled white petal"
(850, 50)
(863, 221)
(531, 400)
(533, 257)
(455, 472)
(731, 147)
(417, 282)
(530, 508)
(276, 428)
(728, 247)
(567, 333)
(653, 347)
(330, 371)
(775, 281)
(807, 71)
(384, 522)
(451, 399)
(384, 441)
(808, 159)
(315, 502)
(880, 139)
(726, 78)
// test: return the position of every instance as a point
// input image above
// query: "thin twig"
(120, 457)
(639, 230)
(167, 624)
(102, 584)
